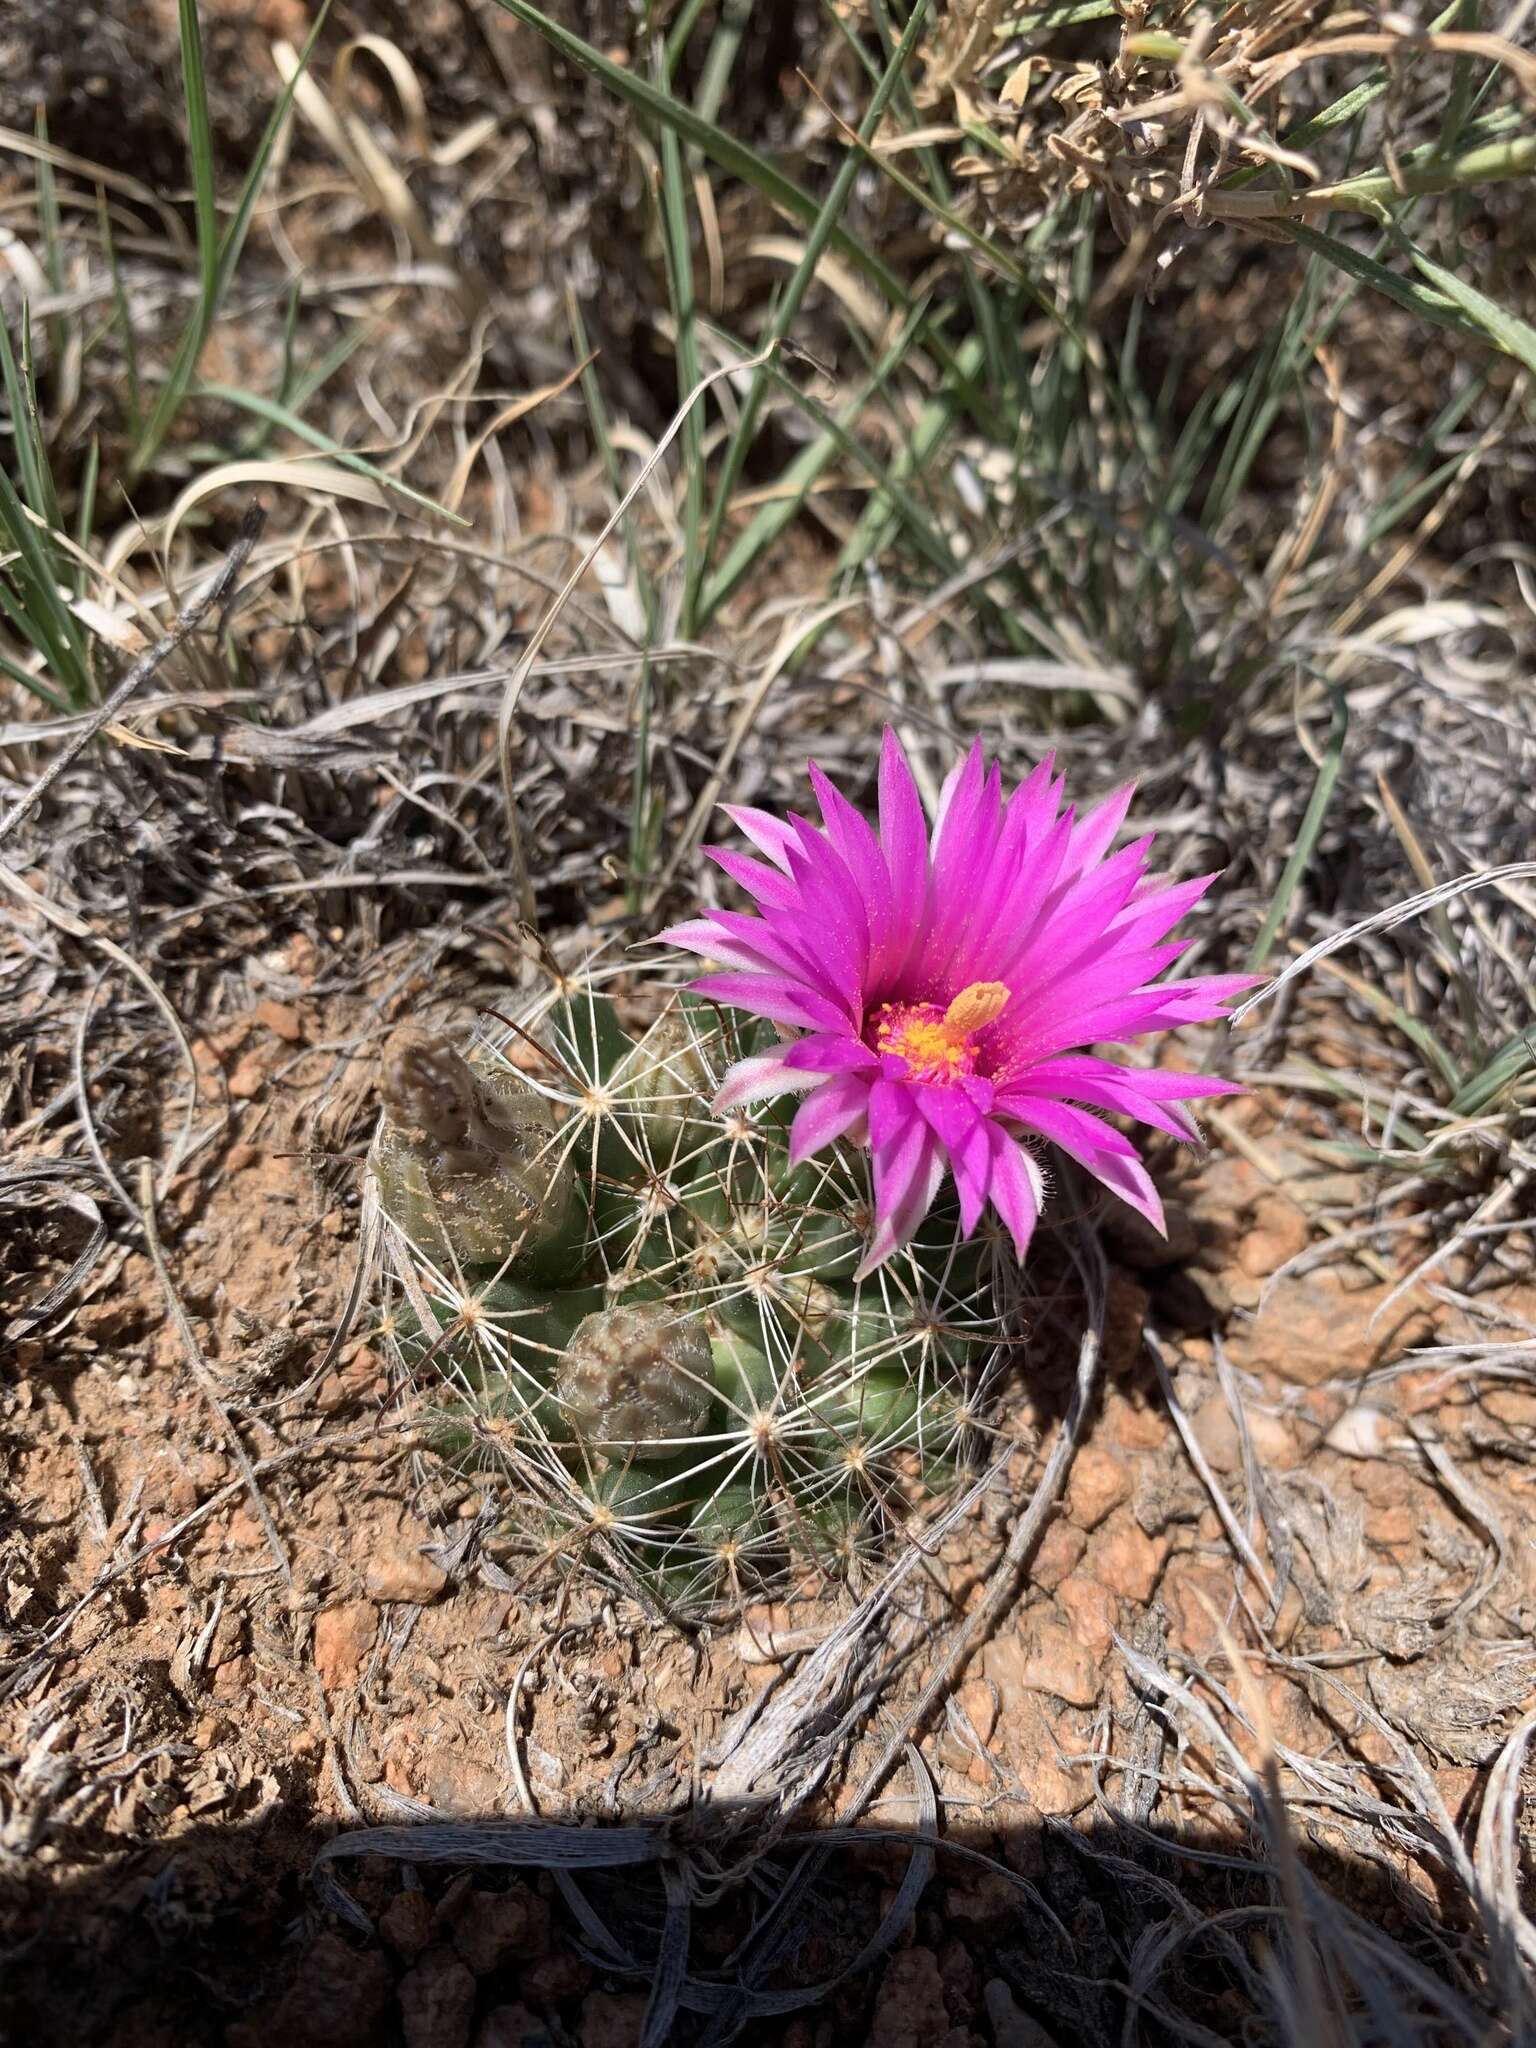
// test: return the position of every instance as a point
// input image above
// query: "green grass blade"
(876, 522)
(29, 593)
(1307, 837)
(205, 205)
(800, 478)
(1435, 307)
(1492, 321)
(724, 149)
(85, 509)
(25, 677)
(677, 250)
(788, 307)
(218, 256)
(123, 317)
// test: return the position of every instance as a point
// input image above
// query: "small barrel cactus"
(638, 1316)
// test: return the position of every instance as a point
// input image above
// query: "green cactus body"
(650, 1320)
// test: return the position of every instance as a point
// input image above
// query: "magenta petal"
(775, 997)
(953, 1119)
(904, 845)
(909, 1166)
(1017, 1186)
(1095, 832)
(830, 1052)
(760, 880)
(1106, 1154)
(827, 1113)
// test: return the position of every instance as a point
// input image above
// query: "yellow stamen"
(976, 1007)
(938, 1044)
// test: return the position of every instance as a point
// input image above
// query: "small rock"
(248, 1077)
(1362, 1432)
(1125, 1315)
(1274, 1442)
(406, 1924)
(1279, 1232)
(1191, 1592)
(1011, 2026)
(1214, 1428)
(398, 1571)
(461, 1784)
(1057, 1663)
(1314, 1328)
(437, 2001)
(281, 1019)
(245, 1532)
(1127, 1560)
(343, 1637)
(1060, 1552)
(513, 2026)
(493, 1928)
(1026, 1736)
(982, 1906)
(978, 1702)
(1091, 1612)
(554, 1980)
(1098, 1484)
(909, 2007)
(612, 2019)
(105, 1322)
(339, 1998)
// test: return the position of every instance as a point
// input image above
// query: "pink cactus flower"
(935, 989)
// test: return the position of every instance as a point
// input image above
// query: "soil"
(206, 1678)
(245, 1610)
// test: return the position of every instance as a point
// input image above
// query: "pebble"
(1279, 1232)
(406, 1924)
(1056, 1662)
(339, 1998)
(556, 1979)
(1060, 1551)
(282, 1019)
(404, 1575)
(1125, 1559)
(1313, 1329)
(909, 2007)
(248, 1077)
(612, 2019)
(1098, 1484)
(343, 1637)
(1091, 1611)
(493, 1928)
(437, 2001)
(1214, 1429)
(513, 2026)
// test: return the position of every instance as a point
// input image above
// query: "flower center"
(939, 1045)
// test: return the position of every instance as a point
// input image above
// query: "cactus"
(644, 1320)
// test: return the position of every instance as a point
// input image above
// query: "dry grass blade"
(519, 676)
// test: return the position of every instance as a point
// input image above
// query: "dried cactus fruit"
(637, 1379)
(469, 1161)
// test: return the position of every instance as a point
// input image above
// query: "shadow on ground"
(1065, 1933)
